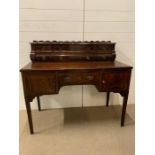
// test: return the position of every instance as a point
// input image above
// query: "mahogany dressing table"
(55, 64)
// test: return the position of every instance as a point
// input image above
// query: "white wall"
(63, 20)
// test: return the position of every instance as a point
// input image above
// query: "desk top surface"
(73, 65)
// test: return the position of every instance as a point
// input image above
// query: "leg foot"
(107, 102)
(38, 101)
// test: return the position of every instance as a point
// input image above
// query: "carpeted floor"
(78, 131)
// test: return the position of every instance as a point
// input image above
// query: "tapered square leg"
(125, 99)
(107, 101)
(28, 109)
(38, 101)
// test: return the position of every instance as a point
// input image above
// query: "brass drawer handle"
(67, 78)
(90, 77)
(87, 57)
(103, 82)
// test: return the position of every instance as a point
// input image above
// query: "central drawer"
(73, 78)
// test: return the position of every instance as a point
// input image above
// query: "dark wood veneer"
(57, 64)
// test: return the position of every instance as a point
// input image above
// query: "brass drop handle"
(87, 57)
(90, 77)
(67, 78)
(103, 81)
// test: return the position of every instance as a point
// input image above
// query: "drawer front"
(69, 78)
(115, 80)
(41, 83)
(91, 77)
(72, 78)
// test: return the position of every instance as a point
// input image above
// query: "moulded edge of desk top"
(73, 65)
